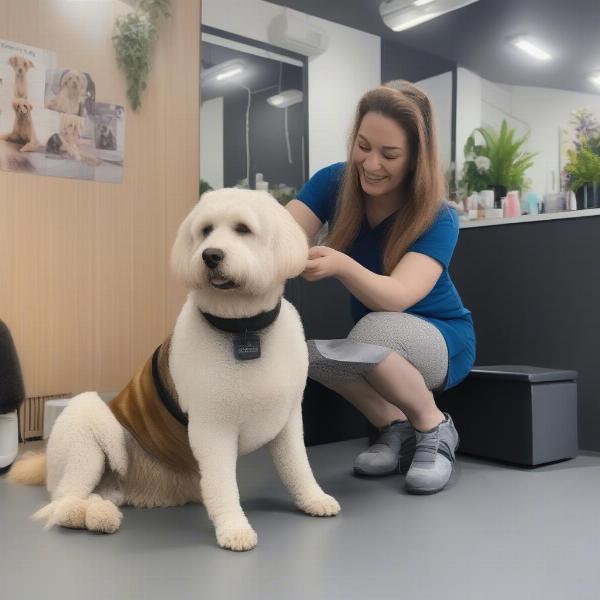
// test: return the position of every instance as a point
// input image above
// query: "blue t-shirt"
(442, 307)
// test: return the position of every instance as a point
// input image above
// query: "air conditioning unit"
(297, 34)
(399, 15)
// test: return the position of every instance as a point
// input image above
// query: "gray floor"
(497, 532)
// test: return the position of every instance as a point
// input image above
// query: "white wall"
(439, 90)
(538, 112)
(336, 79)
(496, 106)
(211, 142)
(547, 111)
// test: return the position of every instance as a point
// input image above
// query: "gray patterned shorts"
(371, 341)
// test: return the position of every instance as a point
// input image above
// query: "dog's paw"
(236, 537)
(66, 512)
(91, 513)
(320, 506)
(102, 516)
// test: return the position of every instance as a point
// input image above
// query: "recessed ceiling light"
(527, 46)
(422, 2)
(595, 78)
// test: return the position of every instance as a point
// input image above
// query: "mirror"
(476, 79)
(252, 118)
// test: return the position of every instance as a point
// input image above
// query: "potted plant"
(498, 163)
(583, 172)
(583, 169)
(134, 36)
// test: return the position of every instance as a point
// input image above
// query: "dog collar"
(255, 323)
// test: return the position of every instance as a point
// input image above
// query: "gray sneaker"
(392, 451)
(434, 459)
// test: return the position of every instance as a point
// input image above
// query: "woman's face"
(381, 154)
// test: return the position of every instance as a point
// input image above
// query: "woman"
(391, 238)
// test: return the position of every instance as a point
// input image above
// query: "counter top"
(567, 214)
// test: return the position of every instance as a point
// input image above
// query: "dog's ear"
(12, 61)
(29, 64)
(291, 245)
(182, 250)
(29, 105)
(83, 82)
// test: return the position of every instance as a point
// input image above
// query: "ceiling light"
(286, 98)
(224, 70)
(404, 14)
(530, 48)
(595, 78)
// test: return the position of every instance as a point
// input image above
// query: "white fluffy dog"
(20, 65)
(23, 132)
(73, 85)
(236, 367)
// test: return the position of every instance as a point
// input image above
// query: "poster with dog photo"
(24, 122)
(70, 149)
(109, 133)
(70, 91)
(50, 123)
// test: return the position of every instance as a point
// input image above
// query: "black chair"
(12, 394)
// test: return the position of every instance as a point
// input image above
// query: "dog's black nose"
(212, 257)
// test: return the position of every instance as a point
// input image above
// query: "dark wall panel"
(534, 291)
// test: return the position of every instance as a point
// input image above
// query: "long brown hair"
(424, 186)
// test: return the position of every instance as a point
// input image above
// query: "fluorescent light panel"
(232, 72)
(222, 71)
(399, 15)
(595, 78)
(286, 98)
(527, 46)
(417, 20)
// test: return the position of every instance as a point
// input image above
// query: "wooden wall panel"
(84, 280)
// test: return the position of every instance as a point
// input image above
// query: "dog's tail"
(30, 469)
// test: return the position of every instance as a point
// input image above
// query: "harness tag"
(246, 346)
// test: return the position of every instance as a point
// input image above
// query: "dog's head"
(22, 107)
(74, 81)
(238, 242)
(20, 64)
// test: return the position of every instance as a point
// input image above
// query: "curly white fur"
(234, 407)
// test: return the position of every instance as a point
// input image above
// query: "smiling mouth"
(372, 178)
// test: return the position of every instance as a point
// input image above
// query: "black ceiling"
(476, 36)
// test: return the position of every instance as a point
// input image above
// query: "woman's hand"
(325, 262)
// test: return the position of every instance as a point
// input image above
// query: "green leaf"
(508, 161)
(134, 37)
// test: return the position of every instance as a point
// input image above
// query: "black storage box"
(514, 413)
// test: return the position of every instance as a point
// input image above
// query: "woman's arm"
(411, 280)
(305, 217)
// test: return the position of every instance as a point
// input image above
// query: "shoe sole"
(362, 473)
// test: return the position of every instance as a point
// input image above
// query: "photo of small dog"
(67, 140)
(20, 65)
(23, 132)
(72, 93)
(105, 138)
(175, 433)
